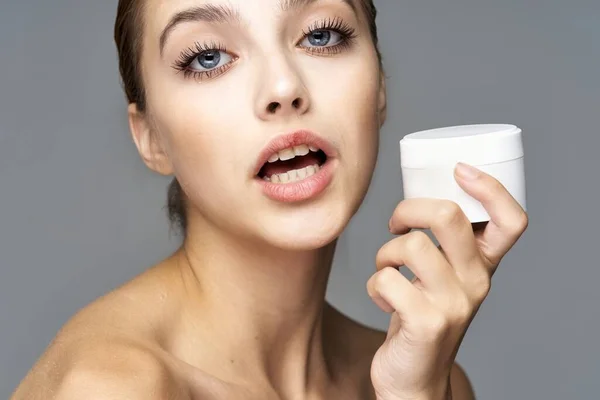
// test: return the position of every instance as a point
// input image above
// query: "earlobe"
(147, 142)
(382, 100)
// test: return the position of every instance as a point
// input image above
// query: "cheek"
(195, 122)
(350, 97)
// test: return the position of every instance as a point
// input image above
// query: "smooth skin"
(431, 314)
(112, 348)
(239, 311)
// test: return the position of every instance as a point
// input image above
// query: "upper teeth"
(291, 152)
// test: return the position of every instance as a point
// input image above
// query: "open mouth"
(293, 164)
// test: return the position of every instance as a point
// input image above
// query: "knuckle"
(478, 284)
(463, 307)
(434, 326)
(482, 287)
(416, 242)
(521, 223)
(449, 213)
(383, 278)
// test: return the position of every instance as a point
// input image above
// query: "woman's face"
(231, 84)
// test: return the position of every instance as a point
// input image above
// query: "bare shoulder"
(107, 351)
(120, 371)
(107, 369)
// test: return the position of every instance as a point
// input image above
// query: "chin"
(307, 242)
(304, 231)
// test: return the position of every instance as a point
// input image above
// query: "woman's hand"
(432, 313)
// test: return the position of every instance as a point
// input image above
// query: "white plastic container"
(428, 159)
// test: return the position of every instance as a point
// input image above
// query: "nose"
(281, 93)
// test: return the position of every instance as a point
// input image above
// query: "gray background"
(79, 213)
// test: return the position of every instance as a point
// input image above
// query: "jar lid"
(480, 144)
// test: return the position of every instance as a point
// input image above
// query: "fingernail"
(466, 171)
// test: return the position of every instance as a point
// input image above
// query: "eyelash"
(347, 33)
(187, 57)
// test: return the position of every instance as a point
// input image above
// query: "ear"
(382, 99)
(147, 142)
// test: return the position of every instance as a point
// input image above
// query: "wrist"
(434, 392)
(446, 396)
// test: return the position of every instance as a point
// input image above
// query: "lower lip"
(303, 190)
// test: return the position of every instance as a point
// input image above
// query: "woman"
(267, 113)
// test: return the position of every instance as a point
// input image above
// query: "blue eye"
(209, 59)
(322, 38)
(204, 61)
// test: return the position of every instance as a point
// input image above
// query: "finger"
(448, 223)
(508, 219)
(397, 293)
(416, 251)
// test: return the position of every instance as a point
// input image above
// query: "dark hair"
(129, 27)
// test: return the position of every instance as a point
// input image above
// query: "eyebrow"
(225, 15)
(207, 13)
(290, 5)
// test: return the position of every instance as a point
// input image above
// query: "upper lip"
(290, 140)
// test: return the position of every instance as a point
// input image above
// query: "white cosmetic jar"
(428, 159)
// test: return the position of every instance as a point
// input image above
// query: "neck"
(263, 307)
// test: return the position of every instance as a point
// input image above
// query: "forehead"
(159, 13)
